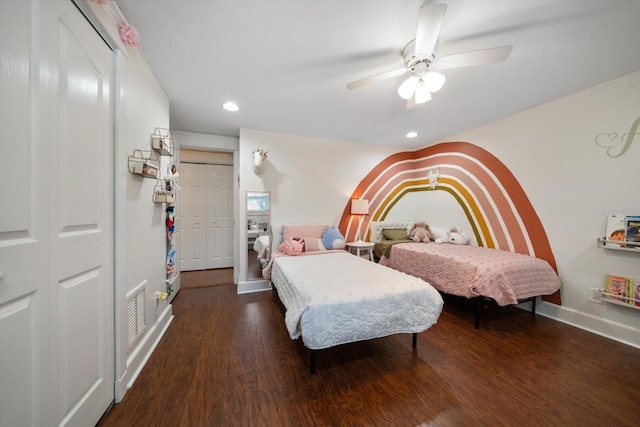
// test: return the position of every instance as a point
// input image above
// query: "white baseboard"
(139, 356)
(254, 286)
(594, 324)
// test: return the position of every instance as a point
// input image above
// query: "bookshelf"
(628, 247)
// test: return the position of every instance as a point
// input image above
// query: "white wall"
(310, 179)
(141, 246)
(573, 184)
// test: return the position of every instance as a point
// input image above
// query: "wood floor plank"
(227, 360)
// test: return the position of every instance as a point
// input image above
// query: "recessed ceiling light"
(411, 135)
(230, 106)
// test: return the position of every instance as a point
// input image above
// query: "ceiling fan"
(420, 59)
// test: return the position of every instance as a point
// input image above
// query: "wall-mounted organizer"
(619, 245)
(618, 299)
(145, 163)
(162, 193)
(162, 142)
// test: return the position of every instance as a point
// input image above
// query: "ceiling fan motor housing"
(411, 58)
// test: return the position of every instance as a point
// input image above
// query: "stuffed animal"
(291, 247)
(455, 237)
(419, 232)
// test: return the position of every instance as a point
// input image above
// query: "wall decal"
(499, 212)
(616, 147)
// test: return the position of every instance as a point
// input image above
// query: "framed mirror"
(258, 222)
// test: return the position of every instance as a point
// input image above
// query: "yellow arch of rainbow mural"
(495, 204)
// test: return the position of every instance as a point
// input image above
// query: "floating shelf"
(620, 300)
(628, 246)
(144, 163)
(162, 142)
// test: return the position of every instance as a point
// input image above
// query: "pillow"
(290, 247)
(395, 233)
(303, 230)
(313, 244)
(333, 239)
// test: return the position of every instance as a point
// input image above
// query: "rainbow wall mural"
(495, 204)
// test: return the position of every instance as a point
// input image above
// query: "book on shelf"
(623, 289)
(616, 229)
(632, 230)
(633, 290)
(615, 287)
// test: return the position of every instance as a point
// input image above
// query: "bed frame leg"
(414, 341)
(312, 362)
(477, 312)
(533, 307)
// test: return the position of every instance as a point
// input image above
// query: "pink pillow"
(302, 230)
(313, 244)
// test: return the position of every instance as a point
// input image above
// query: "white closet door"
(192, 217)
(56, 223)
(205, 216)
(219, 216)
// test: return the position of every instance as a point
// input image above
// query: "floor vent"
(136, 314)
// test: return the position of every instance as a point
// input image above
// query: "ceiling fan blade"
(429, 23)
(376, 78)
(492, 55)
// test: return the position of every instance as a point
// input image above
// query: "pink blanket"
(471, 271)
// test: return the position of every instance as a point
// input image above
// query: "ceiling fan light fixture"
(422, 93)
(434, 81)
(406, 89)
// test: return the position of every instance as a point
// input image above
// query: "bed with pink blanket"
(475, 272)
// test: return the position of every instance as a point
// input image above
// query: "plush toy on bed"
(291, 247)
(454, 236)
(419, 232)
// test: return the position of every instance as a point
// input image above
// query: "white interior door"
(56, 223)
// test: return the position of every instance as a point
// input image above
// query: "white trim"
(625, 334)
(254, 286)
(138, 357)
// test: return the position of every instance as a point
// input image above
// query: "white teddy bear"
(454, 236)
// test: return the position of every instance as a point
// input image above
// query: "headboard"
(376, 227)
(275, 233)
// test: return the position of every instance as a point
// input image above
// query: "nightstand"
(361, 248)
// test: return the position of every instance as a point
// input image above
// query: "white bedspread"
(261, 243)
(337, 298)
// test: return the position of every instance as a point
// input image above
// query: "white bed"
(333, 298)
(262, 248)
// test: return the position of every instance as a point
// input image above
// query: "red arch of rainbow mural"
(495, 204)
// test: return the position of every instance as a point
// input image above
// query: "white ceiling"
(287, 62)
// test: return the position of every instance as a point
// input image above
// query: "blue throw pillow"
(333, 239)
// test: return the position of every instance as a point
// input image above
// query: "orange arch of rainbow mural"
(495, 204)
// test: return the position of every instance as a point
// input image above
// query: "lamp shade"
(422, 93)
(407, 88)
(359, 207)
(434, 81)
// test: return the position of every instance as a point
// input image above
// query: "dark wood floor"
(227, 360)
(206, 278)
